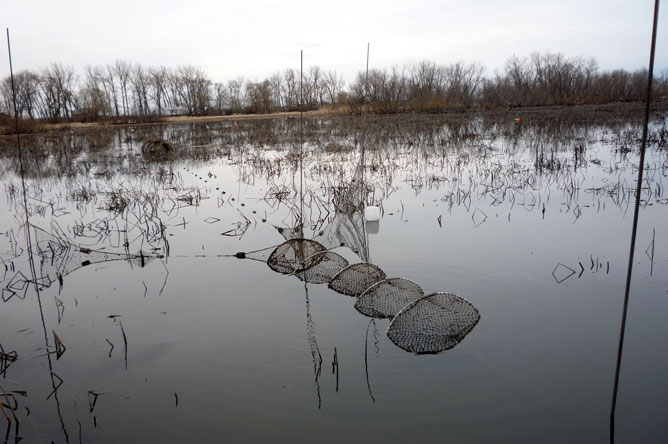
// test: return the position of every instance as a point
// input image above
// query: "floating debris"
(6, 359)
(562, 272)
(478, 217)
(92, 400)
(60, 347)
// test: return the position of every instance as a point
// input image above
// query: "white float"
(372, 214)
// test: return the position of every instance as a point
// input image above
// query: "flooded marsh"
(218, 281)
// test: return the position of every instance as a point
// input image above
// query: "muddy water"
(156, 333)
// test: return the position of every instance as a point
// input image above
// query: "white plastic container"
(372, 214)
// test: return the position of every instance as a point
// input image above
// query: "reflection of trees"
(465, 157)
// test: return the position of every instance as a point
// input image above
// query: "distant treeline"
(58, 93)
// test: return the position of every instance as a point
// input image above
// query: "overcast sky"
(253, 38)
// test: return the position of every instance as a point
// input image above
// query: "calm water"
(530, 223)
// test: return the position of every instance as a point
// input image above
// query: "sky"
(255, 38)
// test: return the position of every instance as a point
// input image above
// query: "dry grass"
(186, 119)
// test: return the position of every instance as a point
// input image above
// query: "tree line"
(58, 93)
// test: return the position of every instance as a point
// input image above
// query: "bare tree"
(139, 79)
(57, 87)
(258, 97)
(291, 89)
(387, 89)
(158, 78)
(220, 97)
(426, 87)
(332, 85)
(122, 72)
(462, 82)
(93, 97)
(235, 94)
(26, 84)
(110, 82)
(194, 89)
(276, 83)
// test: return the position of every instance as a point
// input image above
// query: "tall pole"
(641, 167)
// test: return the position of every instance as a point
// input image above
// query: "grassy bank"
(616, 111)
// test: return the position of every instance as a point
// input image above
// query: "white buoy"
(372, 214)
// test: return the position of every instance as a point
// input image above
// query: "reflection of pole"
(365, 243)
(316, 357)
(366, 359)
(366, 78)
(364, 100)
(21, 168)
(301, 143)
(31, 260)
(641, 165)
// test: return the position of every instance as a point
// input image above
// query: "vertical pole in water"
(641, 166)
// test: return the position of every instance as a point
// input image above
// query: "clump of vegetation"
(83, 195)
(8, 125)
(117, 202)
(157, 149)
(335, 147)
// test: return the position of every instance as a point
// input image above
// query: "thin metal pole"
(641, 167)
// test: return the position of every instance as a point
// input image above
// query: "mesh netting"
(291, 255)
(434, 323)
(60, 257)
(346, 227)
(345, 230)
(321, 267)
(386, 298)
(420, 324)
(355, 279)
(55, 257)
(350, 197)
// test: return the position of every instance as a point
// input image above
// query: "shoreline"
(629, 110)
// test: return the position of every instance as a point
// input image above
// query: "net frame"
(358, 275)
(288, 256)
(321, 267)
(386, 298)
(444, 320)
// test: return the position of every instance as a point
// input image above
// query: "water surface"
(530, 223)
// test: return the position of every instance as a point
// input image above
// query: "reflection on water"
(139, 322)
